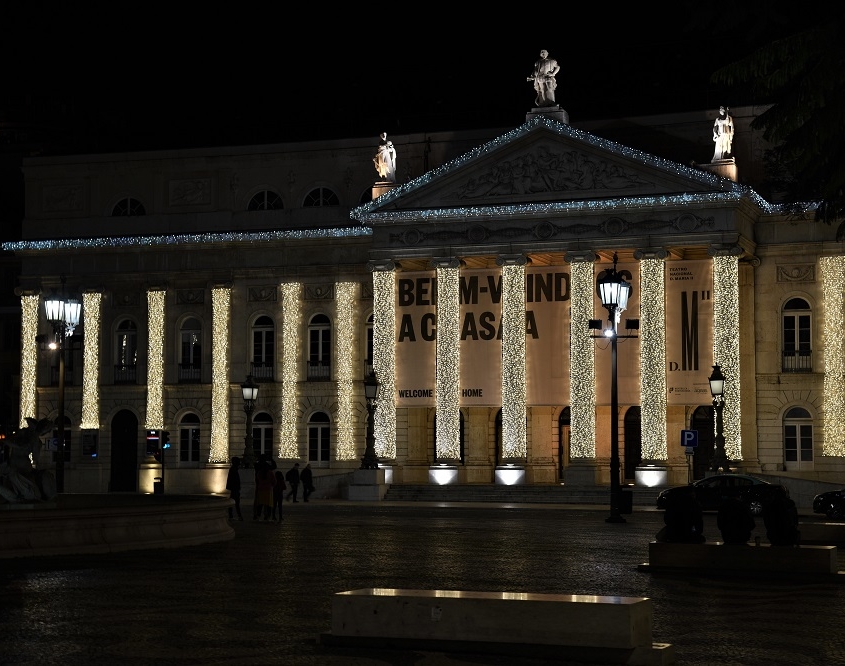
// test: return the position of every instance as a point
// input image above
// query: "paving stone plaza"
(265, 596)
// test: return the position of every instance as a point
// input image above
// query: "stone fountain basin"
(109, 523)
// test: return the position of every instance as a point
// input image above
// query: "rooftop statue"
(545, 70)
(723, 134)
(385, 159)
(19, 480)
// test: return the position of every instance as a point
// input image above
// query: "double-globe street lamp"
(63, 315)
(250, 394)
(717, 390)
(372, 388)
(614, 292)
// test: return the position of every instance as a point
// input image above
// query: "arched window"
(262, 434)
(797, 336)
(265, 200)
(319, 348)
(320, 196)
(128, 207)
(263, 345)
(125, 352)
(798, 440)
(190, 351)
(319, 438)
(189, 438)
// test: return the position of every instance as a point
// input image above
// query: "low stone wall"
(106, 523)
(601, 629)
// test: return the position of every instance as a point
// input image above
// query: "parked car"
(830, 503)
(713, 490)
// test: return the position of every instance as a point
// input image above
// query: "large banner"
(689, 331)
(546, 340)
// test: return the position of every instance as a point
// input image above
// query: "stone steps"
(521, 494)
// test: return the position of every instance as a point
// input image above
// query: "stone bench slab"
(716, 557)
(614, 629)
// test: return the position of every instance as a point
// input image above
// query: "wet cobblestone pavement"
(265, 596)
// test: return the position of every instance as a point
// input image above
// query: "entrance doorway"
(703, 420)
(124, 453)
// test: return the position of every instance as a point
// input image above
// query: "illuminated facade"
(468, 286)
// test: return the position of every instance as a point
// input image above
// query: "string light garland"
(384, 359)
(514, 435)
(652, 339)
(448, 366)
(291, 309)
(221, 305)
(582, 369)
(346, 315)
(29, 356)
(91, 303)
(833, 290)
(155, 360)
(726, 347)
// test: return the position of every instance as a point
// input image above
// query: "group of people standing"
(270, 487)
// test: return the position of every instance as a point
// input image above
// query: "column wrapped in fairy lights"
(221, 305)
(833, 290)
(514, 436)
(448, 365)
(726, 345)
(292, 313)
(345, 316)
(155, 359)
(582, 367)
(91, 302)
(384, 357)
(29, 356)
(652, 338)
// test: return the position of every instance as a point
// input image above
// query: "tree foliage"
(802, 76)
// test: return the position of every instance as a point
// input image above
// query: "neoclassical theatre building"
(468, 286)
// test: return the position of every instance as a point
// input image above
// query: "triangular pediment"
(545, 161)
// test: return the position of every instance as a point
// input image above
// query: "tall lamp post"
(250, 393)
(717, 389)
(63, 315)
(614, 291)
(372, 388)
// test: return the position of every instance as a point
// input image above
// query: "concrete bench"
(579, 627)
(716, 558)
(830, 534)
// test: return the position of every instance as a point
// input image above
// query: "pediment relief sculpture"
(548, 171)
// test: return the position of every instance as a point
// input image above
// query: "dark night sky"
(148, 78)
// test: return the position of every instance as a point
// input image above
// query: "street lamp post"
(250, 393)
(63, 315)
(372, 388)
(614, 291)
(717, 389)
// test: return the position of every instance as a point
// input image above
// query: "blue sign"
(689, 437)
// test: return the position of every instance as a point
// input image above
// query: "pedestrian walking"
(292, 477)
(233, 485)
(265, 480)
(306, 478)
(278, 495)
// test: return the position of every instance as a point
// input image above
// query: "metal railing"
(262, 372)
(125, 374)
(319, 371)
(797, 361)
(190, 374)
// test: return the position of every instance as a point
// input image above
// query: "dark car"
(830, 503)
(713, 490)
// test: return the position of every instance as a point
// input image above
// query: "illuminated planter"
(443, 475)
(649, 476)
(510, 475)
